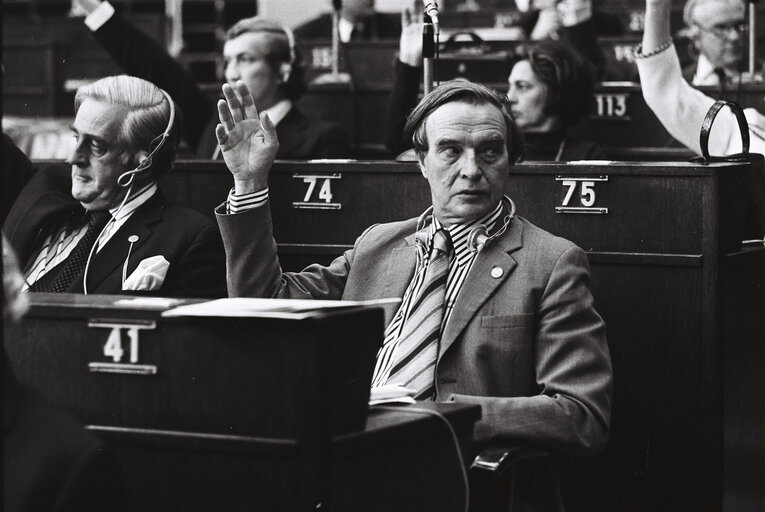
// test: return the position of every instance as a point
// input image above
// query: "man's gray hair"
(148, 116)
(691, 5)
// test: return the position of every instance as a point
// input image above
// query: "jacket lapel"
(399, 273)
(111, 257)
(482, 281)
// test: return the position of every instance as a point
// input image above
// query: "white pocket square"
(149, 275)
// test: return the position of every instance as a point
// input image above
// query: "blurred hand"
(574, 12)
(85, 6)
(410, 44)
(248, 141)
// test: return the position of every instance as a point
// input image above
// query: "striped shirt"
(459, 267)
(64, 237)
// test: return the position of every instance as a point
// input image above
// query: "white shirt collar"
(279, 111)
(705, 73)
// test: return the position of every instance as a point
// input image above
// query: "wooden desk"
(240, 414)
(401, 461)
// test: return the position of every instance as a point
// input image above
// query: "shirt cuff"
(242, 202)
(98, 17)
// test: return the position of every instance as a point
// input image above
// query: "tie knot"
(97, 220)
(442, 242)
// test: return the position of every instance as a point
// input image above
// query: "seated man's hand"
(248, 142)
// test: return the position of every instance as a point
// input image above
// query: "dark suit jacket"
(379, 25)
(300, 138)
(188, 240)
(528, 345)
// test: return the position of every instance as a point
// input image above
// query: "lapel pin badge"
(497, 272)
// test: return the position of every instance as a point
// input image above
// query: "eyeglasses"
(723, 30)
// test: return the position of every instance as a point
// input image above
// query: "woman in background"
(550, 90)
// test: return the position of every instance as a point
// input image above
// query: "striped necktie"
(61, 277)
(414, 362)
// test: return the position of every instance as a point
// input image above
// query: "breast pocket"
(506, 349)
(506, 334)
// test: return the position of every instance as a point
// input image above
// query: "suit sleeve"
(141, 56)
(571, 413)
(252, 263)
(201, 270)
(401, 101)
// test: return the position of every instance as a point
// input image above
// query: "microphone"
(479, 235)
(428, 52)
(337, 5)
(431, 9)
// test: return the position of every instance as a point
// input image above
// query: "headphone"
(285, 69)
(126, 178)
(479, 236)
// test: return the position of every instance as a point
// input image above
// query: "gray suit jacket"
(528, 345)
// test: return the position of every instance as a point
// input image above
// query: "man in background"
(358, 22)
(715, 29)
(259, 51)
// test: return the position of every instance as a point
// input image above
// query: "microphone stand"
(428, 52)
(335, 76)
(753, 75)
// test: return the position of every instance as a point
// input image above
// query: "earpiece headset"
(285, 69)
(479, 236)
(126, 178)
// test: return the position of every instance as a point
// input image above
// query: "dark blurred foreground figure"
(50, 463)
(494, 310)
(550, 90)
(104, 226)
(358, 22)
(258, 51)
(17, 170)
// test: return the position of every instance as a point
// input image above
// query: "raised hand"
(410, 43)
(248, 142)
(656, 31)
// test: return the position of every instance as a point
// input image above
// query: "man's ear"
(421, 164)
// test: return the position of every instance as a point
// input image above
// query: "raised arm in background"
(680, 107)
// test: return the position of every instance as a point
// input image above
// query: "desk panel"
(131, 368)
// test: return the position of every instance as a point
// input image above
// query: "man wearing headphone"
(716, 32)
(494, 310)
(105, 227)
(258, 51)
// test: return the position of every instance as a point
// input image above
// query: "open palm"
(248, 142)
